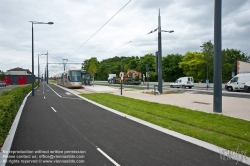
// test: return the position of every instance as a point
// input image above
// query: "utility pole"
(64, 63)
(159, 55)
(206, 54)
(38, 71)
(217, 107)
(33, 79)
(147, 75)
(45, 75)
(121, 79)
(47, 68)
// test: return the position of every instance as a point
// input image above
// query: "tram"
(71, 78)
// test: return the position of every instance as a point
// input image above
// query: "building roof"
(20, 69)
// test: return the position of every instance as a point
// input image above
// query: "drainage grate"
(201, 102)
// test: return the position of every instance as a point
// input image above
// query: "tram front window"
(75, 76)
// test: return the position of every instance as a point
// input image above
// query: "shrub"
(10, 101)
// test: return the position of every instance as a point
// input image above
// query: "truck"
(110, 78)
(243, 67)
(237, 83)
(132, 77)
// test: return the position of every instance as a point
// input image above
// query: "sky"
(79, 31)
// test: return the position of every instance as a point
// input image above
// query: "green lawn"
(52, 81)
(217, 129)
(126, 88)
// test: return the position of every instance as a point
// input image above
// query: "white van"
(247, 87)
(183, 82)
(238, 82)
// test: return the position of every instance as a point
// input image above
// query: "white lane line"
(113, 161)
(44, 97)
(53, 109)
(71, 98)
(54, 91)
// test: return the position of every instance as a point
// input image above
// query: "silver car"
(2, 84)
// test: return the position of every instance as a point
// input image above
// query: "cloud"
(75, 21)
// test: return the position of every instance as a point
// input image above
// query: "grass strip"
(220, 130)
(52, 81)
(119, 85)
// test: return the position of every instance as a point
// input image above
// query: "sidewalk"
(231, 106)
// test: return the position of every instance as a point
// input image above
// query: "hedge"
(10, 101)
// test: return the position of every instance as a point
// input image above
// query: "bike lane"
(43, 138)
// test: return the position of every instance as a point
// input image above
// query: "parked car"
(183, 82)
(2, 84)
(247, 87)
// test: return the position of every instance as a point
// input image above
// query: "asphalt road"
(61, 122)
(196, 90)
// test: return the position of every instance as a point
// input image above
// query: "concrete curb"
(8, 141)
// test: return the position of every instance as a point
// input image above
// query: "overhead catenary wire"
(123, 44)
(52, 58)
(100, 28)
(130, 41)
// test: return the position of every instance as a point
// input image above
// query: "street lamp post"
(160, 53)
(159, 61)
(39, 66)
(33, 79)
(47, 67)
(206, 54)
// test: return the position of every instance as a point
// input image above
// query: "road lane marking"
(102, 152)
(89, 141)
(110, 159)
(54, 91)
(44, 97)
(53, 109)
(72, 98)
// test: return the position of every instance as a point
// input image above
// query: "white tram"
(71, 78)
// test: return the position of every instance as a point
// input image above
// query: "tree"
(170, 67)
(150, 60)
(193, 65)
(92, 66)
(2, 76)
(133, 64)
(85, 65)
(208, 51)
(229, 61)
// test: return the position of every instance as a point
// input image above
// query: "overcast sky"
(75, 21)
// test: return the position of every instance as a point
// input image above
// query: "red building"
(18, 76)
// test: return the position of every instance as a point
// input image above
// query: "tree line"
(199, 65)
